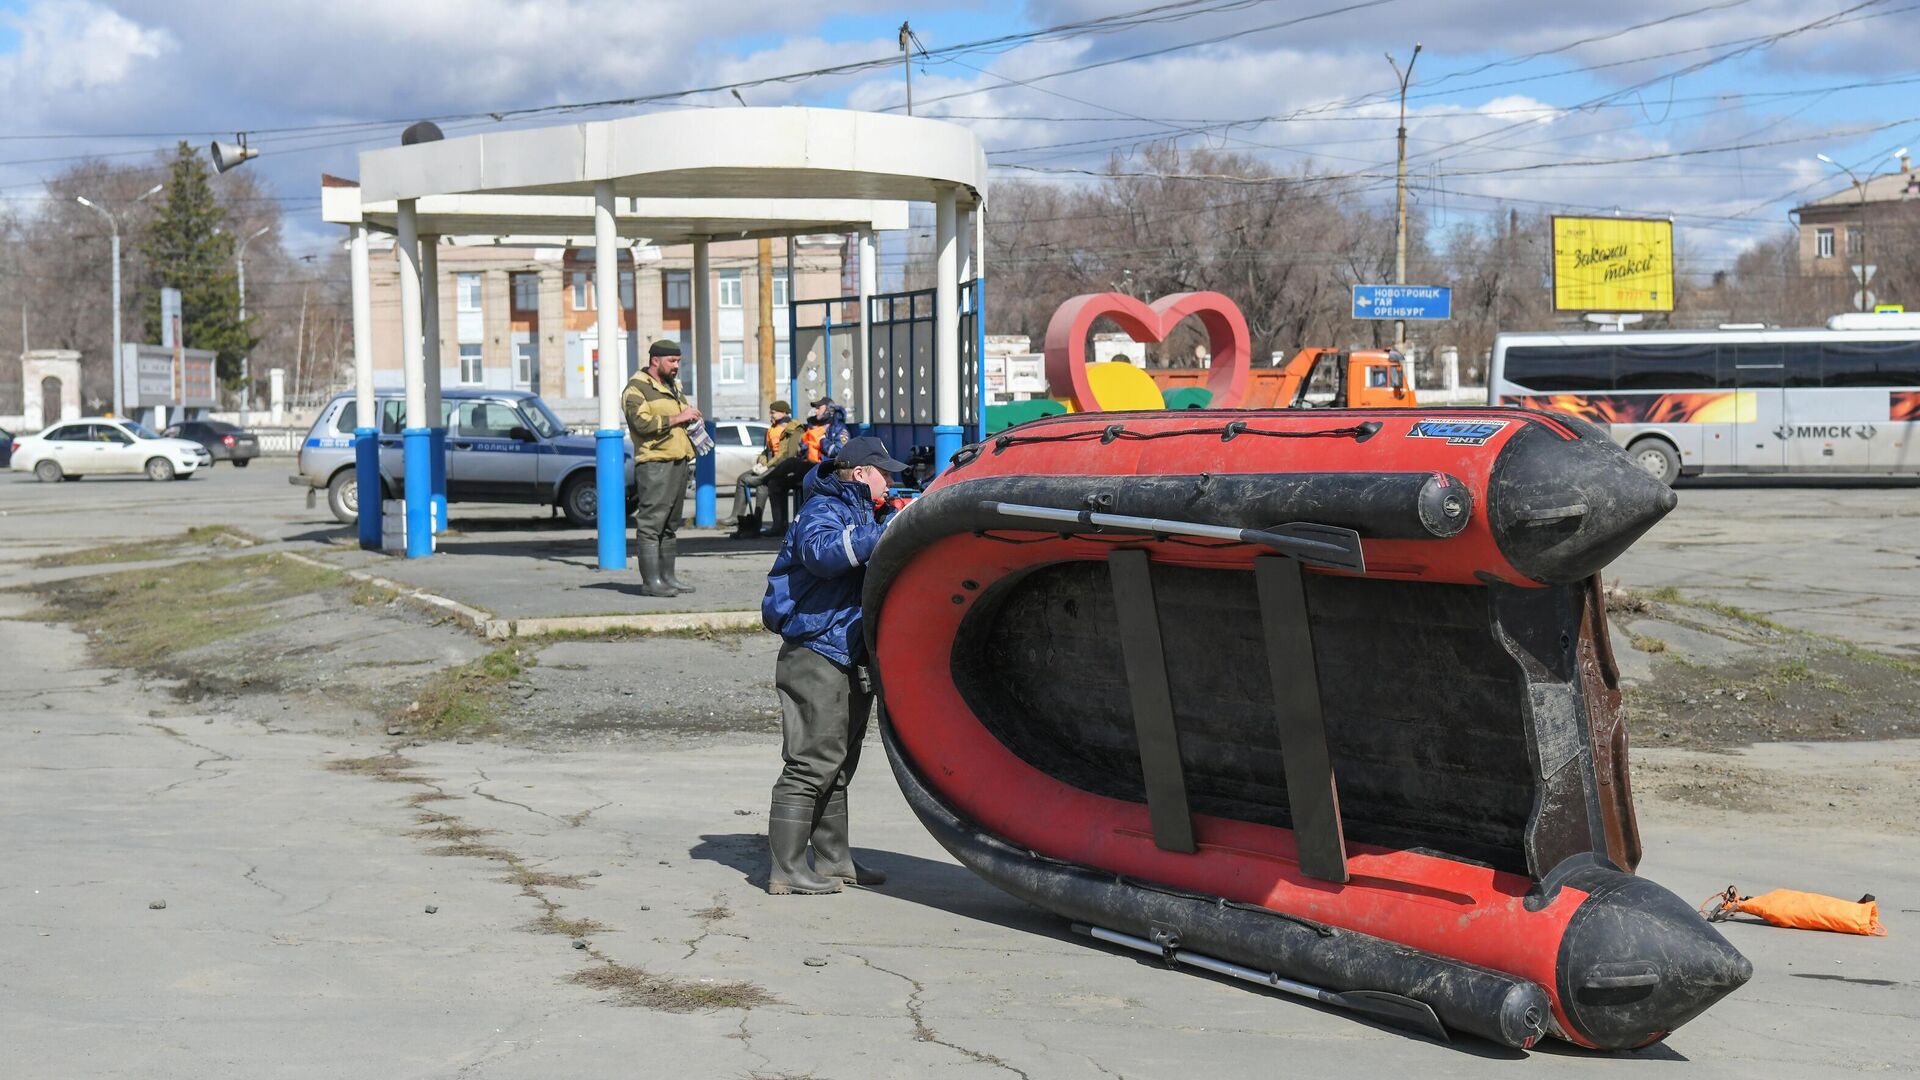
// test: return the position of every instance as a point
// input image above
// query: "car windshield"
(545, 424)
(139, 431)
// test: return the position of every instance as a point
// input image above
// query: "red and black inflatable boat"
(1320, 695)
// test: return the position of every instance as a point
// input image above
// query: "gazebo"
(786, 160)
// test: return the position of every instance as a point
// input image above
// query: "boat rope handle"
(1720, 906)
(1227, 433)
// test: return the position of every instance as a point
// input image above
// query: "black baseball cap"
(819, 401)
(868, 450)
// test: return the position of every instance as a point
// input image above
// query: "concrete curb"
(486, 625)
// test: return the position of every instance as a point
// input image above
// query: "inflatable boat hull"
(1398, 767)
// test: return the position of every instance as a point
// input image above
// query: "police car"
(502, 447)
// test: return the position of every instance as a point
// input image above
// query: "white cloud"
(73, 47)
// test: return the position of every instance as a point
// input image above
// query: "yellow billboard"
(1612, 264)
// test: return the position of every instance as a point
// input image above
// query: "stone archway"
(50, 411)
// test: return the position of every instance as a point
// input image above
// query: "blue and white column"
(610, 465)
(417, 461)
(366, 431)
(704, 512)
(948, 436)
(430, 318)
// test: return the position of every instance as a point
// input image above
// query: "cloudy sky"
(1708, 110)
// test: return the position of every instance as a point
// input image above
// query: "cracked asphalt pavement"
(340, 904)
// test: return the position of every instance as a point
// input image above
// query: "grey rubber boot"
(832, 855)
(788, 826)
(667, 553)
(651, 582)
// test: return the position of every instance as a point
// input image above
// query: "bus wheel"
(1658, 457)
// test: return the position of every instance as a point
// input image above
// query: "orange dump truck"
(1316, 379)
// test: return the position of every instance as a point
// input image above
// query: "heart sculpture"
(1227, 340)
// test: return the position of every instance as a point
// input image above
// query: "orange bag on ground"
(1802, 911)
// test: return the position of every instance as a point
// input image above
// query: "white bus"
(1687, 402)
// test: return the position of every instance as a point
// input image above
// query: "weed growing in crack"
(388, 768)
(552, 922)
(639, 988)
(452, 830)
(468, 849)
(529, 878)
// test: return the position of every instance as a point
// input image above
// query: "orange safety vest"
(815, 434)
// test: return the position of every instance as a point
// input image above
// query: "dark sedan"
(226, 442)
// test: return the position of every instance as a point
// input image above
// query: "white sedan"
(97, 445)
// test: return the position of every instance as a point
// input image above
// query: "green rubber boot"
(788, 826)
(832, 855)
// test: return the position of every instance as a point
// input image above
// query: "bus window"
(1560, 367)
(1870, 363)
(1664, 367)
(1750, 366)
(1802, 360)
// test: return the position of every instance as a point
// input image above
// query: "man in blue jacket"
(813, 602)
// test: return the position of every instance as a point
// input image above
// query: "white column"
(702, 330)
(362, 329)
(980, 240)
(407, 250)
(963, 236)
(865, 256)
(606, 285)
(946, 314)
(430, 320)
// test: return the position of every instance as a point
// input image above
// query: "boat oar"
(1387, 1008)
(1323, 545)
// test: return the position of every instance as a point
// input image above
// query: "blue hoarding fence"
(1402, 302)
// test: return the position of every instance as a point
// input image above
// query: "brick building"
(1834, 229)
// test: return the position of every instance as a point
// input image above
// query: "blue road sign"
(1402, 302)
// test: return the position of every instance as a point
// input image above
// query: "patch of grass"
(368, 595)
(465, 700)
(1647, 644)
(452, 831)
(639, 988)
(529, 878)
(714, 913)
(148, 550)
(1666, 594)
(424, 797)
(468, 849)
(145, 618)
(387, 768)
(552, 922)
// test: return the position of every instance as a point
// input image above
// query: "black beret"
(664, 347)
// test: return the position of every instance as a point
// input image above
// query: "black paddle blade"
(1321, 545)
(1392, 1009)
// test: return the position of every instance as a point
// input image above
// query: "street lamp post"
(113, 225)
(246, 360)
(1860, 296)
(1400, 196)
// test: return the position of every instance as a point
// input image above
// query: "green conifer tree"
(186, 249)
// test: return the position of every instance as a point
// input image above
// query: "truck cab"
(1345, 379)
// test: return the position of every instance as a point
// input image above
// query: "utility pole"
(246, 361)
(906, 62)
(113, 358)
(764, 288)
(1400, 195)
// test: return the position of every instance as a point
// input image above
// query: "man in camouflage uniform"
(659, 417)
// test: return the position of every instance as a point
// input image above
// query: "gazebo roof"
(560, 220)
(744, 153)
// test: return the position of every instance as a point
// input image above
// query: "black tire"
(73, 476)
(580, 501)
(1658, 457)
(159, 469)
(47, 471)
(241, 463)
(343, 497)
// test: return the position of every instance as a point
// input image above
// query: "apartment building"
(528, 318)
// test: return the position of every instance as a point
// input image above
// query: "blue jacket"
(813, 590)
